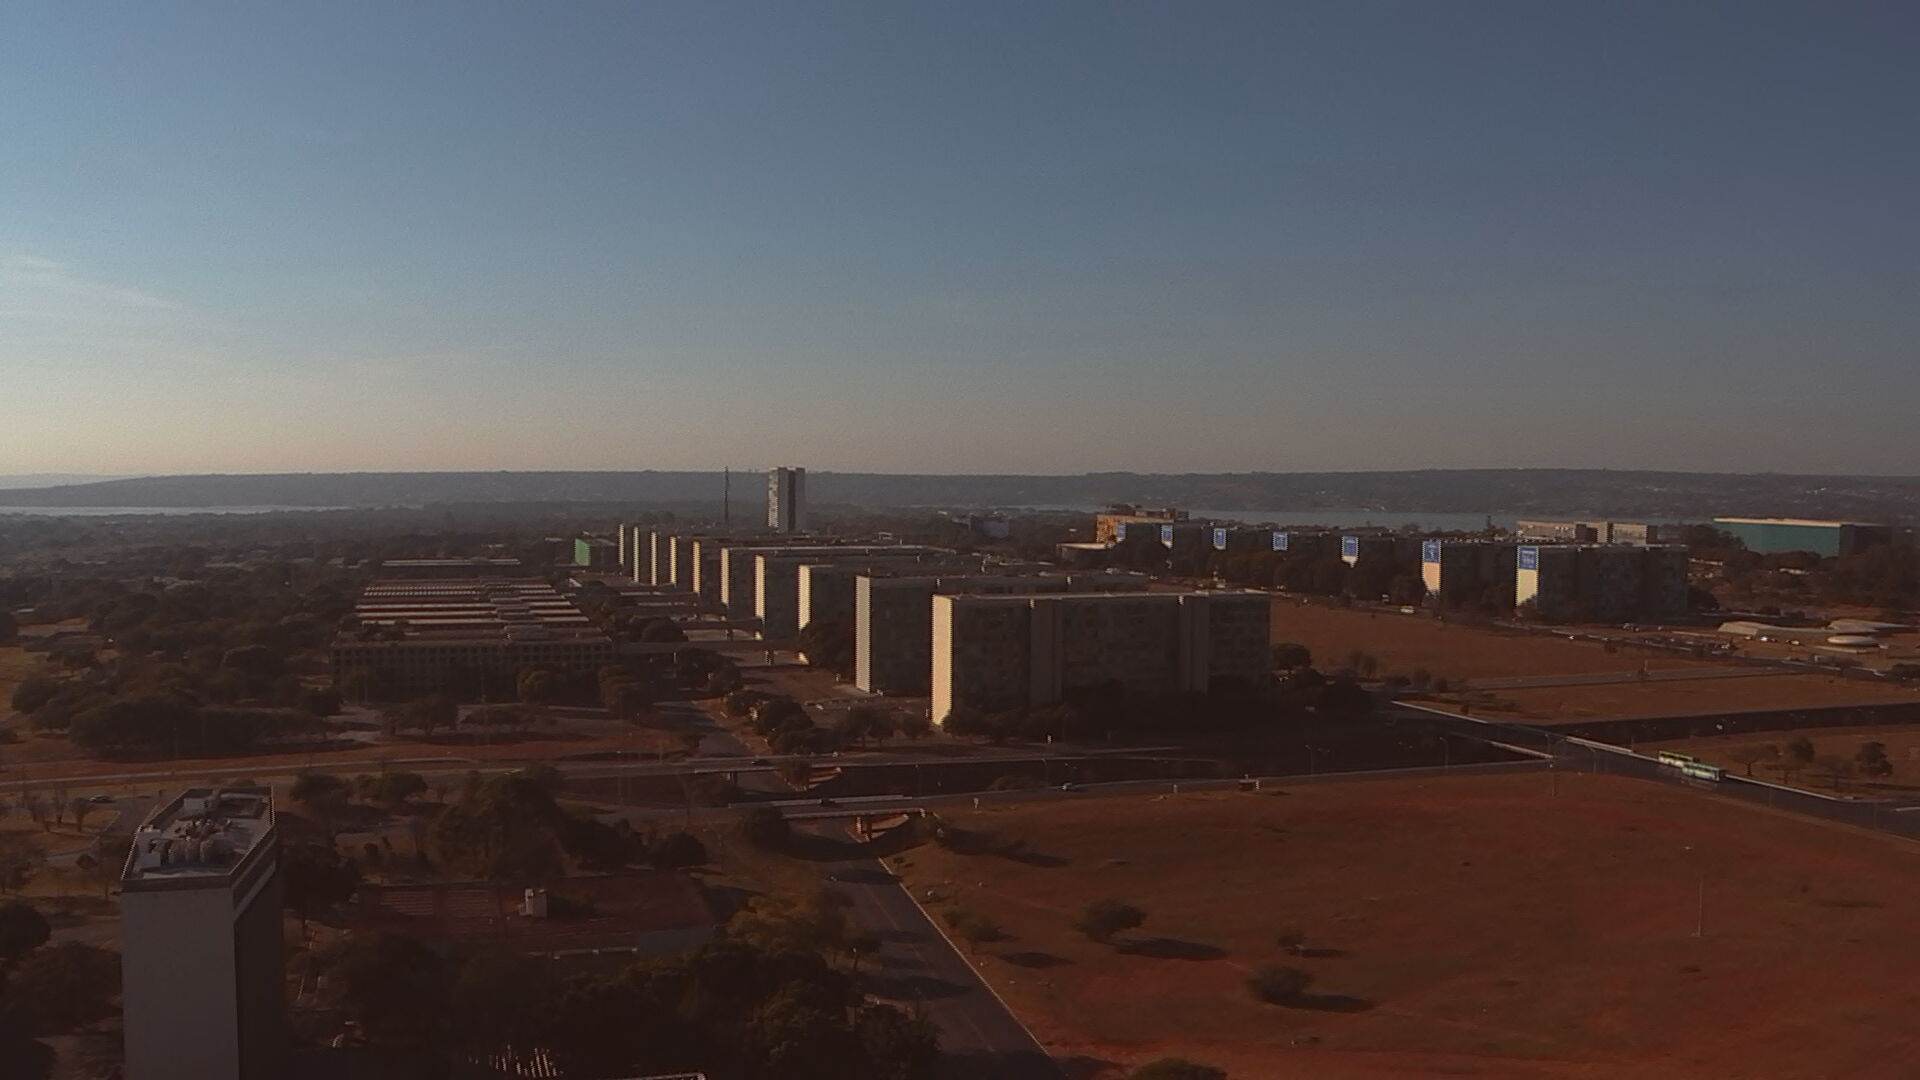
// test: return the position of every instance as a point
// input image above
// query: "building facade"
(1605, 583)
(996, 652)
(787, 500)
(201, 965)
(596, 552)
(893, 618)
(414, 637)
(1469, 574)
(1110, 525)
(1831, 539)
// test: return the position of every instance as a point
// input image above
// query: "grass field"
(1570, 704)
(1477, 926)
(1404, 643)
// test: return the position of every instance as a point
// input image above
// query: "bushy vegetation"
(761, 1001)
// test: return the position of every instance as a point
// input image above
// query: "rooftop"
(203, 835)
(1801, 522)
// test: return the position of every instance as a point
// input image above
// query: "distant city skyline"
(984, 238)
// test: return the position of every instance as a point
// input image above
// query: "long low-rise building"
(1774, 536)
(1011, 651)
(893, 618)
(425, 636)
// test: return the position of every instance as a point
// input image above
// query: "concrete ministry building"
(1606, 583)
(423, 636)
(1110, 525)
(596, 552)
(893, 618)
(787, 500)
(1772, 536)
(201, 966)
(1026, 649)
(1593, 532)
(1469, 573)
(776, 581)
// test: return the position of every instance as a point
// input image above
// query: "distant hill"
(1691, 496)
(9, 481)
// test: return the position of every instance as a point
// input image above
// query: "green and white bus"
(1700, 770)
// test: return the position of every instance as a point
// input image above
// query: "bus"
(1698, 770)
(1676, 759)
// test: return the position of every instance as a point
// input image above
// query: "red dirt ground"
(1571, 704)
(1404, 643)
(1496, 929)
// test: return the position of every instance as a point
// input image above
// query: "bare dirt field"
(1476, 926)
(1404, 643)
(1627, 700)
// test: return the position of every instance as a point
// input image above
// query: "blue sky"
(970, 237)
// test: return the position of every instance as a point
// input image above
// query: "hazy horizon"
(995, 238)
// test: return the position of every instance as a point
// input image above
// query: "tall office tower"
(201, 967)
(787, 499)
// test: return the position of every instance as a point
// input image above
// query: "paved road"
(979, 1037)
(1526, 682)
(1900, 817)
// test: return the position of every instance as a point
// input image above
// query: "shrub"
(1102, 919)
(1276, 984)
(1177, 1069)
(765, 827)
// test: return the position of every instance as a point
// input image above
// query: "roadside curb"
(971, 966)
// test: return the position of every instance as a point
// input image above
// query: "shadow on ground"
(1162, 948)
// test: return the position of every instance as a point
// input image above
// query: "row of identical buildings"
(967, 632)
(1588, 571)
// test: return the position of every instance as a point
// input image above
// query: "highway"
(1900, 817)
(980, 1039)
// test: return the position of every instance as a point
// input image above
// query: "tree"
(537, 686)
(80, 806)
(317, 879)
(828, 643)
(1872, 759)
(1102, 919)
(915, 725)
(38, 809)
(856, 724)
(430, 714)
(1835, 767)
(20, 859)
(1291, 656)
(390, 789)
(66, 986)
(22, 930)
(897, 1045)
(498, 1000)
(677, 850)
(1177, 1069)
(393, 984)
(105, 862)
(33, 692)
(766, 828)
(1276, 984)
(1800, 751)
(323, 793)
(977, 930)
